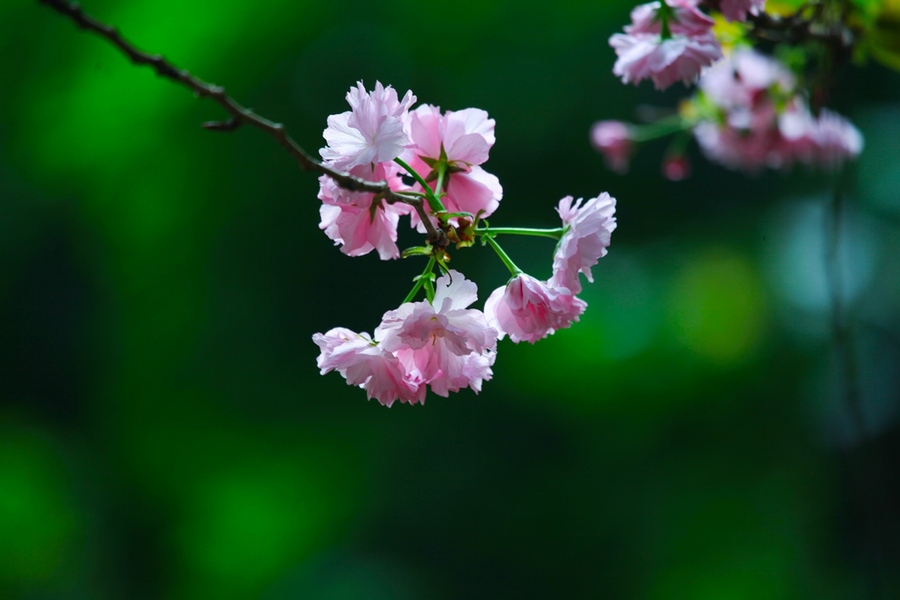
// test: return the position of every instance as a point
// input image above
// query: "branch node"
(229, 125)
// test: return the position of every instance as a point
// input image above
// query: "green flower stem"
(439, 185)
(503, 256)
(434, 203)
(550, 233)
(429, 290)
(420, 281)
(662, 128)
(664, 13)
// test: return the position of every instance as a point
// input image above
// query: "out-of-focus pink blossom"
(363, 363)
(684, 19)
(374, 130)
(444, 344)
(836, 140)
(463, 139)
(746, 78)
(590, 227)
(759, 119)
(736, 10)
(355, 220)
(612, 139)
(662, 61)
(529, 310)
(643, 52)
(746, 89)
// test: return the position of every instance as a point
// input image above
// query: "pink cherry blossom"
(759, 118)
(529, 310)
(736, 10)
(356, 220)
(374, 130)
(644, 54)
(585, 241)
(363, 363)
(684, 18)
(746, 89)
(443, 343)
(612, 139)
(745, 78)
(835, 140)
(463, 138)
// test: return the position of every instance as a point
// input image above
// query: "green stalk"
(434, 203)
(662, 128)
(664, 13)
(554, 233)
(439, 186)
(420, 281)
(503, 256)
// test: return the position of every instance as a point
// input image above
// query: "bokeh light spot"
(717, 309)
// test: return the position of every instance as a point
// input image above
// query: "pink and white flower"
(362, 362)
(585, 241)
(746, 91)
(643, 52)
(529, 310)
(356, 220)
(375, 130)
(462, 139)
(444, 344)
(736, 10)
(754, 117)
(613, 140)
(835, 140)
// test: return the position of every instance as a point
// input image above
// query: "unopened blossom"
(374, 130)
(589, 228)
(362, 362)
(612, 139)
(444, 343)
(529, 310)
(688, 46)
(676, 167)
(461, 140)
(737, 10)
(358, 221)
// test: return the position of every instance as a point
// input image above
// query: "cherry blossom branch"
(240, 114)
(798, 27)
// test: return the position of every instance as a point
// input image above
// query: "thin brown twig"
(241, 115)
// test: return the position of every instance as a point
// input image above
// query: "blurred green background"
(164, 431)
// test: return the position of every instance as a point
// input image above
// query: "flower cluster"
(666, 42)
(441, 343)
(433, 159)
(737, 10)
(751, 115)
(380, 134)
(750, 111)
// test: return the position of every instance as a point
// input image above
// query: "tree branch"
(239, 114)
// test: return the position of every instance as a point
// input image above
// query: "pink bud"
(612, 140)
(676, 168)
